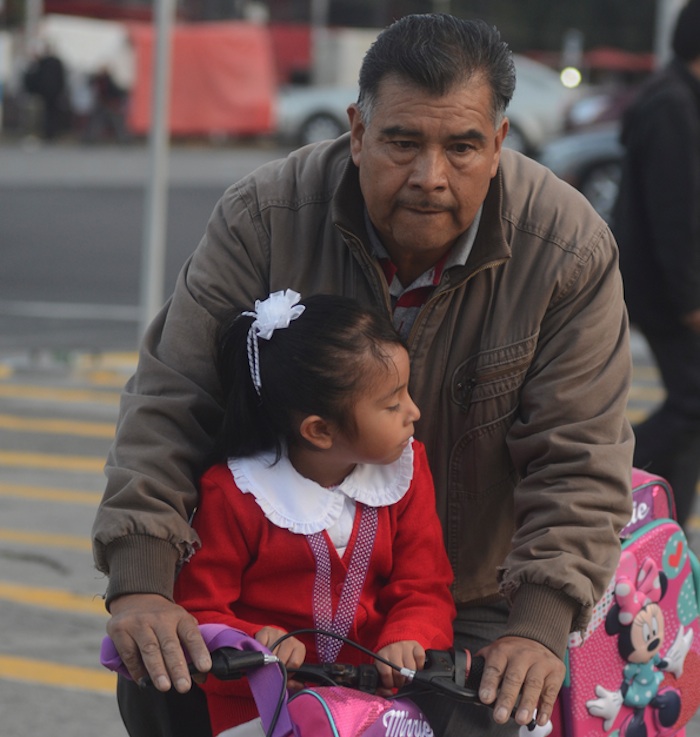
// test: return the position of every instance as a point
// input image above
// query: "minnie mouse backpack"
(635, 672)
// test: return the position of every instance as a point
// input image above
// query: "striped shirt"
(408, 301)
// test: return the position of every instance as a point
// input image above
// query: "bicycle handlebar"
(453, 673)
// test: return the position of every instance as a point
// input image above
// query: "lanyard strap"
(340, 623)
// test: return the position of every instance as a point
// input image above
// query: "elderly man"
(505, 284)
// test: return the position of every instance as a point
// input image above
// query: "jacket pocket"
(487, 383)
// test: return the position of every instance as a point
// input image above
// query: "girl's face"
(384, 414)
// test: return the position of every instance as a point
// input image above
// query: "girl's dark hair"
(315, 366)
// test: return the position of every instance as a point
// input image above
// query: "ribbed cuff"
(140, 564)
(542, 614)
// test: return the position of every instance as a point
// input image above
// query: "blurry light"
(570, 77)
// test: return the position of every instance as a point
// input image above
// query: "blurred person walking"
(657, 225)
(106, 118)
(46, 78)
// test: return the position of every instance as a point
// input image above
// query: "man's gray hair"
(436, 52)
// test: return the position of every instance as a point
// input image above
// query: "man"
(504, 282)
(657, 224)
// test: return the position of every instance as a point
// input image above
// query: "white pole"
(33, 13)
(666, 14)
(153, 253)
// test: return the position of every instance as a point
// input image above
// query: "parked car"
(591, 161)
(599, 105)
(306, 114)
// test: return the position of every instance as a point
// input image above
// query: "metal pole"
(33, 13)
(666, 14)
(153, 253)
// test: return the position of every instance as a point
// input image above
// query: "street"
(70, 237)
(71, 232)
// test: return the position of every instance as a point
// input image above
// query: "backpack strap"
(266, 683)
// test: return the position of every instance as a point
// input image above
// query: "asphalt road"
(70, 233)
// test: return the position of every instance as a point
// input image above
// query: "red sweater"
(250, 573)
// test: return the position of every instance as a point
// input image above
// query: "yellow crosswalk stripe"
(54, 462)
(45, 539)
(59, 427)
(52, 599)
(57, 394)
(651, 394)
(44, 673)
(47, 493)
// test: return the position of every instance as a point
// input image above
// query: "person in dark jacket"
(46, 78)
(657, 226)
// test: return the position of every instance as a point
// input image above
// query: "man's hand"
(149, 633)
(516, 665)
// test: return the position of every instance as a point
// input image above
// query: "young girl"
(322, 511)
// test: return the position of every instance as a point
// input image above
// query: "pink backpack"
(636, 670)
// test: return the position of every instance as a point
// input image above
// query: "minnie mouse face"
(646, 634)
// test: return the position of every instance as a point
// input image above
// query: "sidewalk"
(23, 164)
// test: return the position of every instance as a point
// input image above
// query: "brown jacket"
(520, 365)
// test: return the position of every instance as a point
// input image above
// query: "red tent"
(223, 79)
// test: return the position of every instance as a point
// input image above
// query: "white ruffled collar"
(291, 501)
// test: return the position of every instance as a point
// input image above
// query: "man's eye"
(462, 148)
(404, 145)
(394, 408)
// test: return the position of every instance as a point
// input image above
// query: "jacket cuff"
(140, 564)
(542, 614)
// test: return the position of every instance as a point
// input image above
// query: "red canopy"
(223, 79)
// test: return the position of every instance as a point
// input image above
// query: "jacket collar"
(489, 246)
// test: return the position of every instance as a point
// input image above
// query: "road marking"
(52, 599)
(78, 464)
(61, 427)
(53, 394)
(45, 539)
(43, 673)
(636, 415)
(645, 373)
(71, 311)
(46, 493)
(648, 393)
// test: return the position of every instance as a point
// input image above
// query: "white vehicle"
(536, 113)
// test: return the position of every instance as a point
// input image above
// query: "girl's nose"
(413, 411)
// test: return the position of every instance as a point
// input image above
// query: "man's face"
(425, 164)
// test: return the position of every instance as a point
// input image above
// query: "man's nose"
(429, 170)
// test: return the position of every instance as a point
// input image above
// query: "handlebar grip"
(228, 663)
(475, 672)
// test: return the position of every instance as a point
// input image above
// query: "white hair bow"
(273, 313)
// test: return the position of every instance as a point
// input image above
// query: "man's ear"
(317, 431)
(357, 131)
